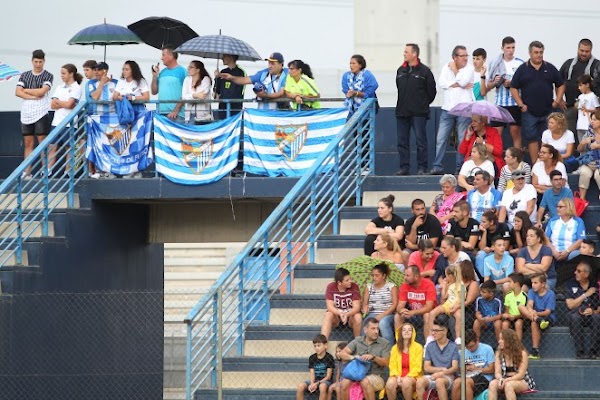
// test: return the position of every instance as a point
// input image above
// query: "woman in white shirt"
(64, 100)
(132, 84)
(197, 86)
(480, 160)
(561, 138)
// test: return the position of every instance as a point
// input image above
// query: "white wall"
(317, 31)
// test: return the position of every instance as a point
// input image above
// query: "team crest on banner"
(290, 139)
(196, 153)
(119, 137)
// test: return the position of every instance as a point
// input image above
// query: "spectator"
(566, 231)
(451, 254)
(552, 196)
(339, 368)
(440, 362)
(197, 86)
(380, 300)
(479, 161)
(373, 348)
(406, 364)
(522, 197)
(34, 88)
(168, 84)
(464, 228)
(343, 304)
(416, 298)
(443, 203)
(561, 138)
(490, 229)
(64, 99)
(102, 89)
(480, 132)
(513, 299)
(587, 248)
(587, 102)
(500, 75)
(582, 302)
(479, 87)
(269, 83)
(549, 161)
(518, 234)
(499, 265)
(385, 222)
(456, 80)
(590, 144)
(425, 259)
(536, 79)
(541, 303)
(479, 367)
(132, 84)
(88, 74)
(320, 369)
(536, 257)
(488, 311)
(420, 226)
(416, 91)
(226, 90)
(357, 84)
(514, 161)
(482, 197)
(386, 248)
(301, 87)
(511, 375)
(571, 71)
(451, 288)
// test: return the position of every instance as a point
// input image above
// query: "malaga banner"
(196, 154)
(280, 143)
(120, 149)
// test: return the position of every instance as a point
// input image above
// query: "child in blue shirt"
(499, 265)
(541, 303)
(339, 368)
(488, 310)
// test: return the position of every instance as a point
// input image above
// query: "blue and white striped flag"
(196, 154)
(280, 143)
(120, 149)
(7, 72)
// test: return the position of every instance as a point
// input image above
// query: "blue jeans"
(386, 327)
(403, 125)
(447, 122)
(533, 127)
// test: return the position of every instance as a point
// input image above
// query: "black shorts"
(39, 127)
(481, 383)
(515, 112)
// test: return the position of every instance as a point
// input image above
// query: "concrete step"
(336, 249)
(296, 316)
(33, 201)
(31, 229)
(312, 285)
(192, 276)
(208, 261)
(403, 197)
(174, 393)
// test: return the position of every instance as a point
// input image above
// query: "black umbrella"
(566, 270)
(161, 31)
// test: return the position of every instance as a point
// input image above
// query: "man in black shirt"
(421, 226)
(227, 89)
(464, 227)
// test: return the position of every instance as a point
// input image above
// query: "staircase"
(274, 358)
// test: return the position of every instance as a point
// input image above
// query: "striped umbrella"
(214, 46)
(7, 72)
(104, 35)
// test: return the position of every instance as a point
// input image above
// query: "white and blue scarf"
(356, 83)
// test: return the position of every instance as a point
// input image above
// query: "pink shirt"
(342, 300)
(415, 259)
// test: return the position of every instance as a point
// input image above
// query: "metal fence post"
(290, 248)
(188, 362)
(240, 327)
(313, 220)
(220, 343)
(46, 191)
(215, 340)
(19, 254)
(336, 192)
(72, 155)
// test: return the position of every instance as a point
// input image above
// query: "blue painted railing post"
(290, 249)
(313, 220)
(372, 137)
(71, 167)
(336, 192)
(188, 362)
(240, 324)
(264, 299)
(19, 254)
(46, 191)
(228, 109)
(214, 341)
(359, 141)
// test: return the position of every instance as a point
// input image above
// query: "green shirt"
(379, 348)
(304, 87)
(512, 302)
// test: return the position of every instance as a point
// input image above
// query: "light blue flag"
(196, 154)
(7, 72)
(120, 149)
(280, 143)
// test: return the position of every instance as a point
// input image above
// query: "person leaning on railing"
(197, 86)
(301, 87)
(357, 84)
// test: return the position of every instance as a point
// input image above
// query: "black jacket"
(416, 90)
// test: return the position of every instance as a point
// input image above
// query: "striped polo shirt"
(33, 110)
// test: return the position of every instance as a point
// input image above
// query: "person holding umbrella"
(269, 83)
(480, 132)
(225, 90)
(168, 84)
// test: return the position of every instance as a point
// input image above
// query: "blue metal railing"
(217, 324)
(43, 182)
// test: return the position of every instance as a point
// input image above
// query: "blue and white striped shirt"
(503, 96)
(564, 234)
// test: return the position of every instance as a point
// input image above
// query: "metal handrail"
(216, 325)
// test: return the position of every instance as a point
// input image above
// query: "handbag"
(586, 158)
(580, 204)
(356, 370)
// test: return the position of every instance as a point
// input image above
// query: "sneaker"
(401, 172)
(535, 354)
(436, 171)
(109, 175)
(25, 176)
(95, 175)
(458, 341)
(544, 324)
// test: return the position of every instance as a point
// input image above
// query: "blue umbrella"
(7, 72)
(104, 35)
(214, 46)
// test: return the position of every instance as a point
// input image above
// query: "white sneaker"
(95, 175)
(109, 175)
(576, 172)
(458, 341)
(26, 176)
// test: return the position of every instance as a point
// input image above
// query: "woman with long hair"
(518, 233)
(443, 203)
(479, 161)
(358, 84)
(511, 375)
(536, 257)
(406, 363)
(301, 87)
(379, 301)
(514, 161)
(425, 258)
(548, 161)
(132, 83)
(385, 222)
(197, 86)
(559, 136)
(387, 248)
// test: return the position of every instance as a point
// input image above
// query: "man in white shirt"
(456, 80)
